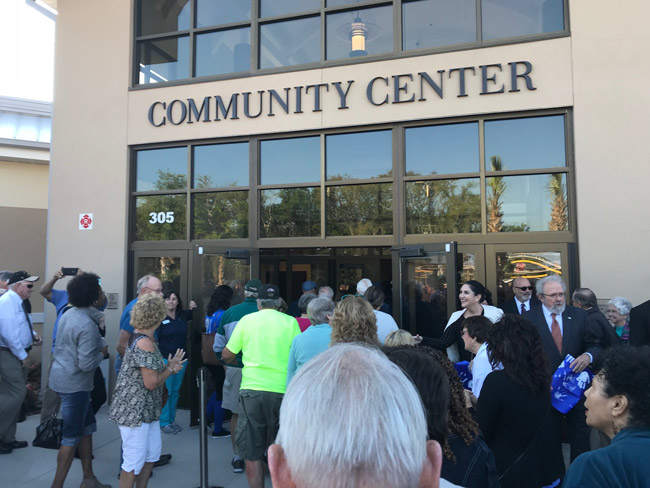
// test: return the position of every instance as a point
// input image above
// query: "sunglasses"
(350, 295)
(529, 288)
(30, 286)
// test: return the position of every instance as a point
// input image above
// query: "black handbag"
(48, 434)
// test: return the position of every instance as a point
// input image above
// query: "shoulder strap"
(135, 338)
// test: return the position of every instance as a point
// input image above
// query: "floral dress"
(133, 403)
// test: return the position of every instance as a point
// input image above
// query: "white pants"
(140, 445)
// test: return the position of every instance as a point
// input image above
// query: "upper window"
(181, 39)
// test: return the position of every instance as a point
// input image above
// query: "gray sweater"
(76, 351)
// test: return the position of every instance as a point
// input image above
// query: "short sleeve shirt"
(264, 338)
(133, 404)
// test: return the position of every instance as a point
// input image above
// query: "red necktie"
(523, 309)
(556, 333)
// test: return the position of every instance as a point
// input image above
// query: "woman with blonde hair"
(399, 337)
(138, 395)
(354, 321)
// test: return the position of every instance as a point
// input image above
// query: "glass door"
(212, 266)
(429, 282)
(531, 261)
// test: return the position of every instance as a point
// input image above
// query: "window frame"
(398, 181)
(256, 21)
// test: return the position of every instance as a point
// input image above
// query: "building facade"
(416, 143)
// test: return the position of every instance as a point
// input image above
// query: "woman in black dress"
(514, 409)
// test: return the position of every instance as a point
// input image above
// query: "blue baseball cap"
(309, 285)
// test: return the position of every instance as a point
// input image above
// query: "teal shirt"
(624, 463)
(310, 343)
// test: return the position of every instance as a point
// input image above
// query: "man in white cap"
(16, 339)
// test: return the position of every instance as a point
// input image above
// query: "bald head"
(149, 284)
(522, 289)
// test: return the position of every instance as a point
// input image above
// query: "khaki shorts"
(231, 389)
(258, 424)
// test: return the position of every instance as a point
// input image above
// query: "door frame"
(568, 261)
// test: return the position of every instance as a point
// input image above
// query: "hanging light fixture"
(358, 33)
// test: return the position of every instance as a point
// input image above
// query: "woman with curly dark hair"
(354, 320)
(618, 404)
(467, 459)
(514, 409)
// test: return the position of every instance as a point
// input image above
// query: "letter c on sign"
(151, 113)
(369, 91)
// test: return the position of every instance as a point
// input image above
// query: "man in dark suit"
(640, 325)
(523, 300)
(564, 330)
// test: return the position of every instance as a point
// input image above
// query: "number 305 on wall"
(161, 217)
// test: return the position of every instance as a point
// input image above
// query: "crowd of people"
(333, 394)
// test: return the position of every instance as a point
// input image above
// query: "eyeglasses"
(159, 290)
(350, 295)
(529, 288)
(554, 295)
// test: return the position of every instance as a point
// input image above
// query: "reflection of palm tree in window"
(497, 188)
(559, 205)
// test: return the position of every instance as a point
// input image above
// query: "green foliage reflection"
(443, 207)
(290, 212)
(220, 215)
(360, 210)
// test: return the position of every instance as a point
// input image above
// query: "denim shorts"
(78, 417)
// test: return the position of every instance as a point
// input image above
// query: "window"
(536, 199)
(360, 155)
(180, 39)
(437, 23)
(483, 176)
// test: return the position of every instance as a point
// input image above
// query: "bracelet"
(171, 370)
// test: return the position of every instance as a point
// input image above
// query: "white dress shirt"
(481, 367)
(519, 304)
(15, 332)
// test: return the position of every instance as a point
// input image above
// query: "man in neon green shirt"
(264, 338)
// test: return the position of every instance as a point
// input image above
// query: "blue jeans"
(173, 383)
(78, 417)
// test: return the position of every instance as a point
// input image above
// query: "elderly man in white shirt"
(16, 339)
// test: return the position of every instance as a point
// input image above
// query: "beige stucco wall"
(23, 185)
(612, 124)
(23, 215)
(89, 146)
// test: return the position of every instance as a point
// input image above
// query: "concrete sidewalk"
(33, 467)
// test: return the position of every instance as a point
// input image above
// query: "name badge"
(165, 322)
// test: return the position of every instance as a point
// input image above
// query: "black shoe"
(5, 448)
(17, 444)
(219, 435)
(237, 465)
(164, 459)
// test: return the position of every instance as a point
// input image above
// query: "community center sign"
(494, 79)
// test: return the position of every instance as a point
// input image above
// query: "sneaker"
(176, 427)
(237, 465)
(221, 434)
(168, 429)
